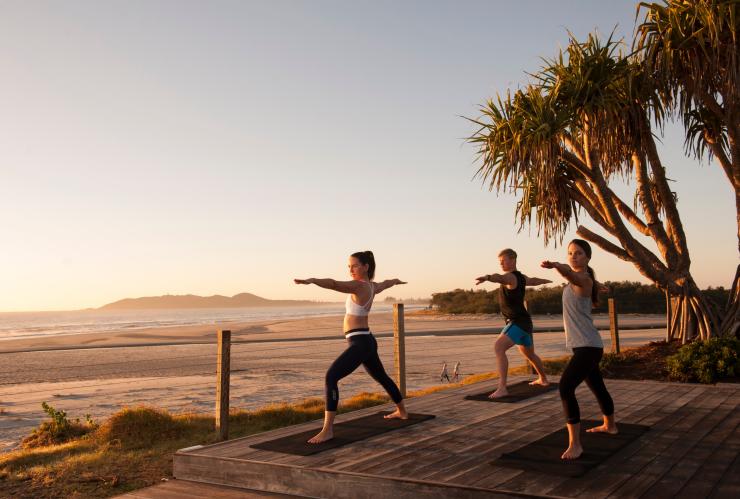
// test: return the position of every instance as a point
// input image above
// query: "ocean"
(18, 325)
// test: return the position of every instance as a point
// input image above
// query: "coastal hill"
(193, 301)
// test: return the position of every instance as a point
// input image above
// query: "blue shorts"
(518, 335)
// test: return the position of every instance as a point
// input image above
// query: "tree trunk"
(692, 316)
(731, 320)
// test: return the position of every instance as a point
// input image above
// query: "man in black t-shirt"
(518, 329)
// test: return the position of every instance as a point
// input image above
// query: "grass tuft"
(136, 428)
(58, 429)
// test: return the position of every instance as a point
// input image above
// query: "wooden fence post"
(223, 370)
(399, 347)
(614, 325)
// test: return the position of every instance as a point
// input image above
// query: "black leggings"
(362, 349)
(584, 365)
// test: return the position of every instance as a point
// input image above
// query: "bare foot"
(322, 436)
(539, 382)
(612, 429)
(572, 453)
(397, 414)
(501, 392)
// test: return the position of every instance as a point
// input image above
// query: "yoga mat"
(543, 455)
(344, 433)
(518, 391)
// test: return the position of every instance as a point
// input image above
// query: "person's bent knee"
(566, 392)
(528, 352)
(501, 346)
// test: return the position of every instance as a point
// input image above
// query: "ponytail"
(594, 287)
(366, 258)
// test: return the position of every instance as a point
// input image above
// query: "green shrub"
(705, 361)
(59, 430)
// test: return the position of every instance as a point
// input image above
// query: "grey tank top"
(579, 325)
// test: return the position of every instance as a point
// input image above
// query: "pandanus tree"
(690, 50)
(564, 142)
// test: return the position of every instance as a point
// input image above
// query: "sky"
(173, 147)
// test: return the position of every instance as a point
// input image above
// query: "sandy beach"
(272, 361)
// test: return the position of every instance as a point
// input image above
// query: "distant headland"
(193, 301)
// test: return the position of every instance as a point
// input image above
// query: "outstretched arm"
(579, 280)
(536, 281)
(382, 286)
(507, 279)
(341, 286)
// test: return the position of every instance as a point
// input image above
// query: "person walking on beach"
(518, 329)
(579, 296)
(362, 348)
(456, 372)
(444, 374)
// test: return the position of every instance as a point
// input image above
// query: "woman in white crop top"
(362, 348)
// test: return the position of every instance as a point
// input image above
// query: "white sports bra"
(352, 308)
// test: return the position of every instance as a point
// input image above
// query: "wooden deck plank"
(465, 440)
(702, 448)
(474, 464)
(705, 415)
(319, 482)
(400, 458)
(729, 485)
(183, 489)
(704, 482)
(441, 462)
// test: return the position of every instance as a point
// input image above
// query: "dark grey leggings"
(584, 366)
(362, 349)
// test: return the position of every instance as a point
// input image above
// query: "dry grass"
(134, 448)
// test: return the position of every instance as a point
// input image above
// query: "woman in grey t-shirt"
(579, 296)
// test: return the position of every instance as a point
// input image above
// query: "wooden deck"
(183, 489)
(691, 450)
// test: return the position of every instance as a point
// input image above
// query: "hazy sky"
(153, 147)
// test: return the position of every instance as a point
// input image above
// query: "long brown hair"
(594, 288)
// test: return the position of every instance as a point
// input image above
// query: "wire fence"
(264, 368)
